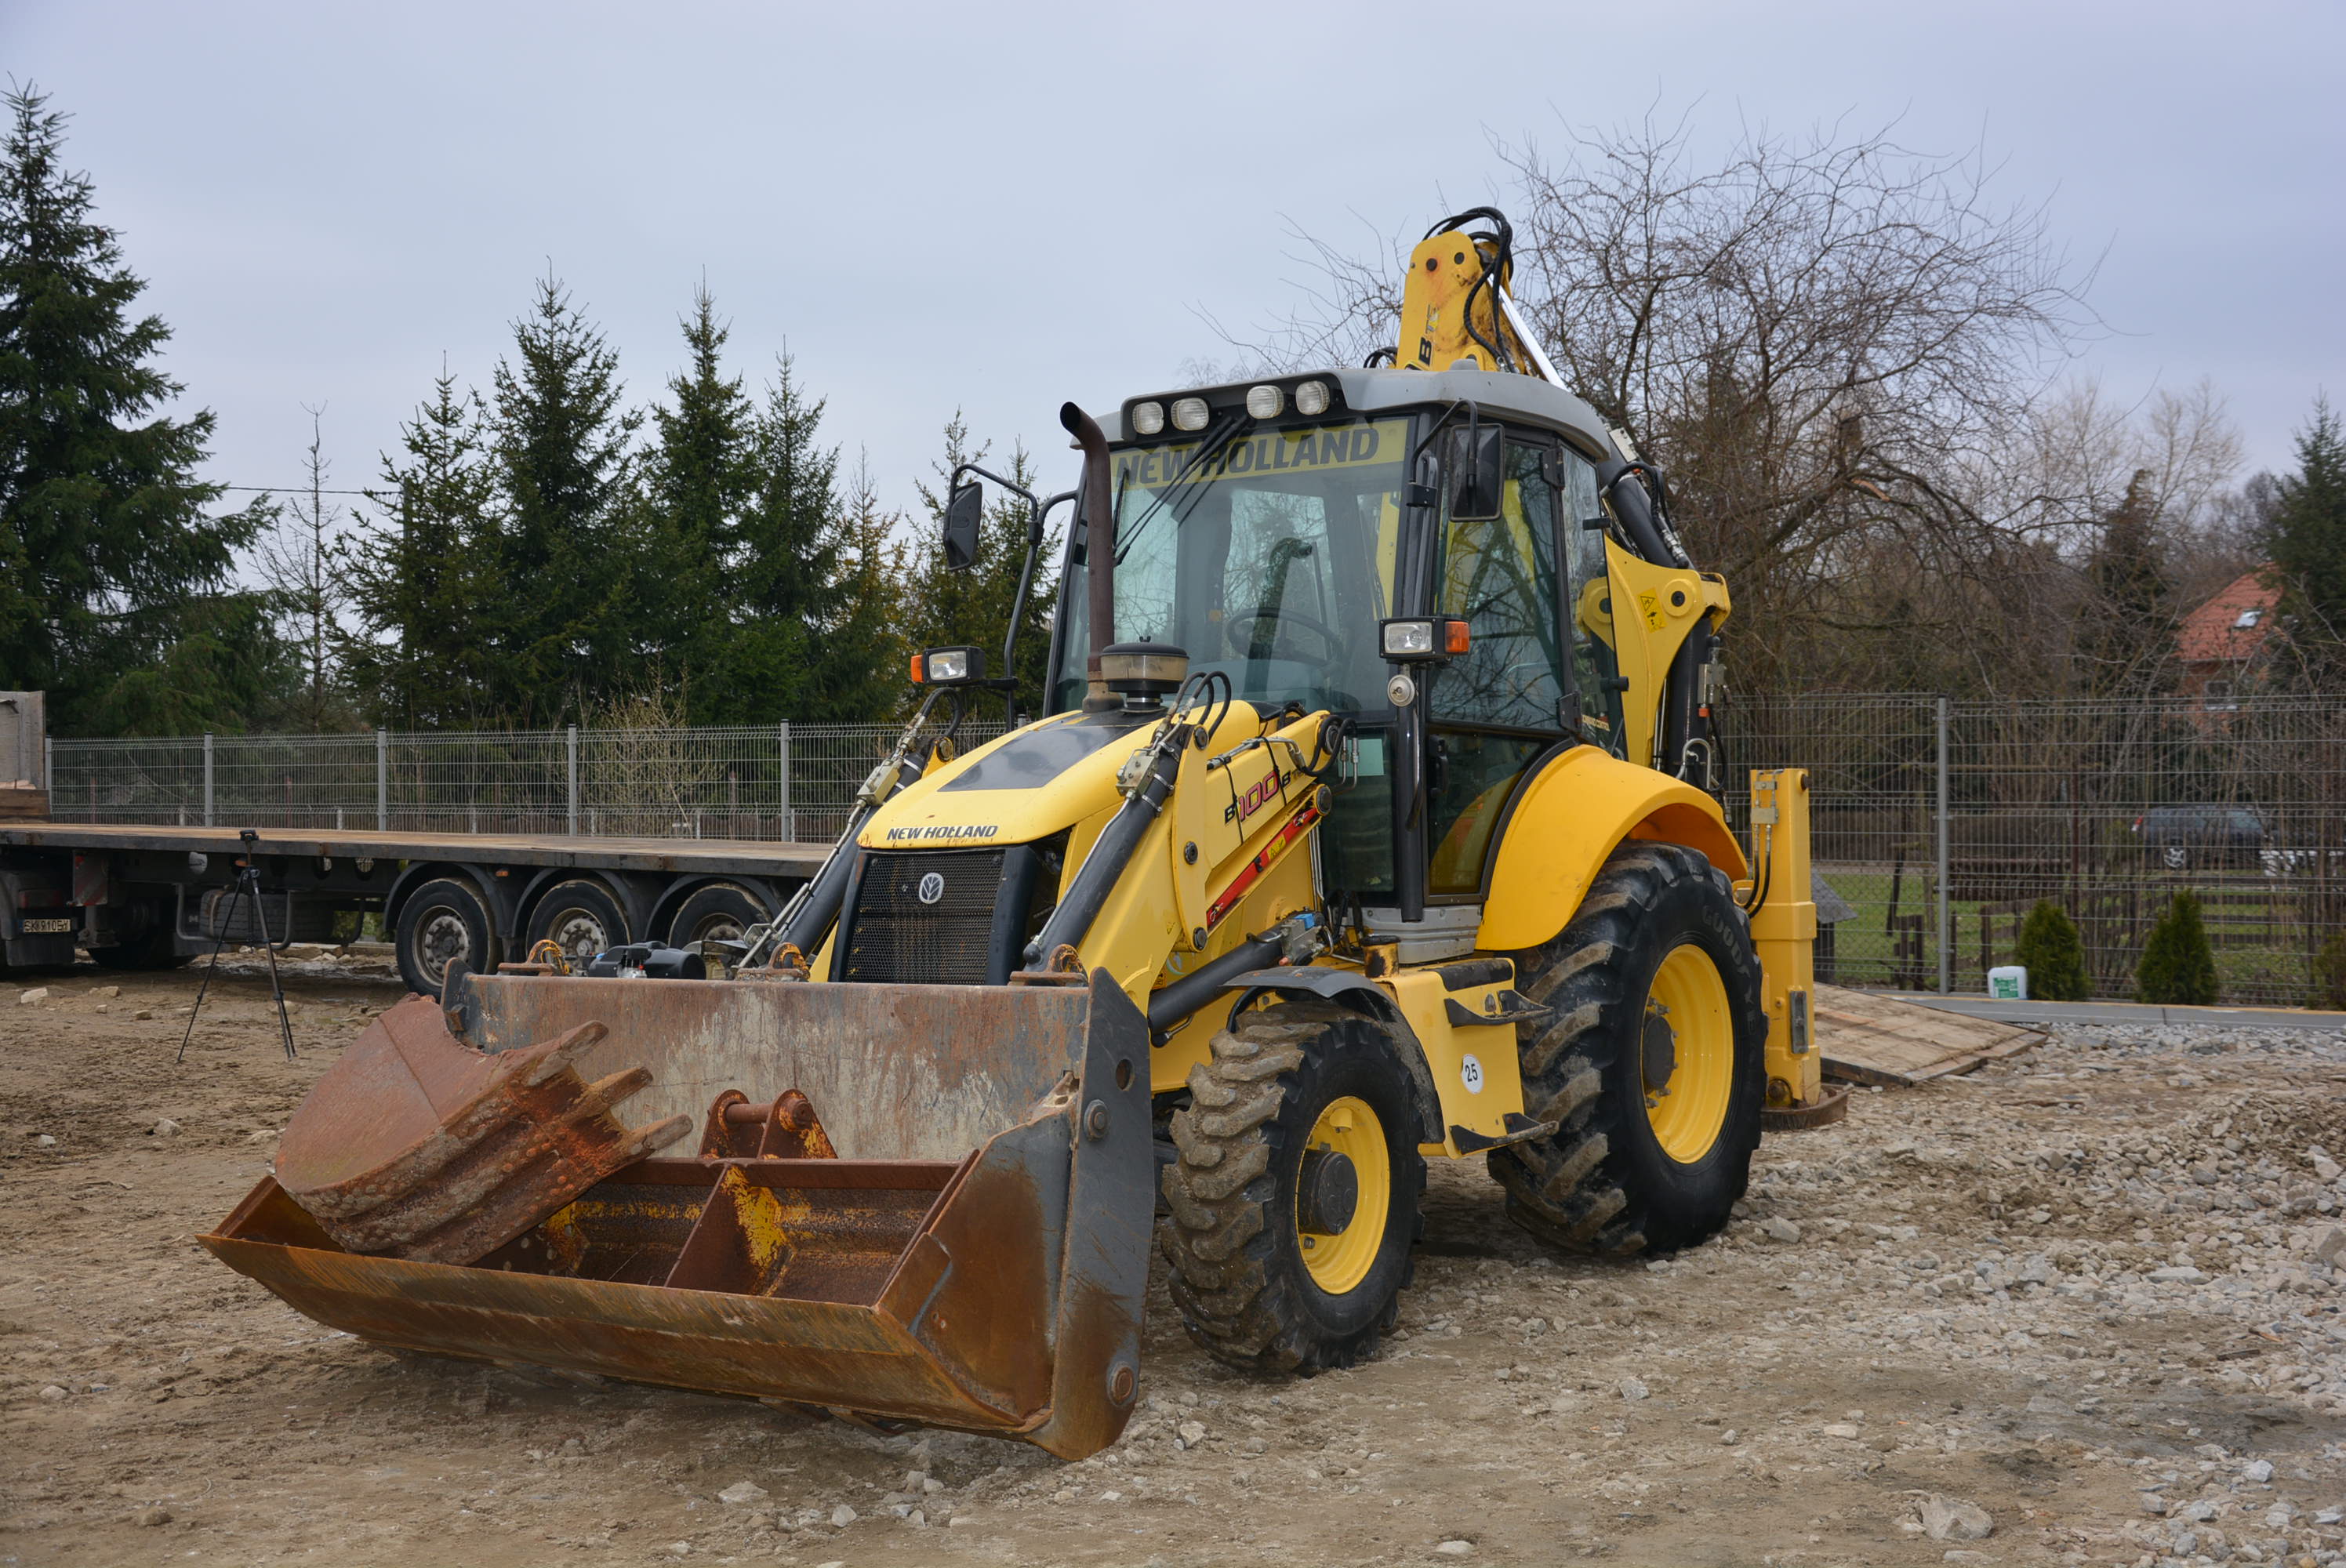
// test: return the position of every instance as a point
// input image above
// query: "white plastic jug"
(2007, 983)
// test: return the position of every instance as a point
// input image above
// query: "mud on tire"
(1603, 1183)
(1238, 1276)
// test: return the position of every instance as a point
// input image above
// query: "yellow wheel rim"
(1337, 1263)
(1689, 1000)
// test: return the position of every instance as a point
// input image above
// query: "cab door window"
(1503, 703)
(1500, 573)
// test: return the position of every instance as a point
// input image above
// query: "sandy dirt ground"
(2081, 1301)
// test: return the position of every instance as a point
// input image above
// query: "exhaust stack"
(1099, 552)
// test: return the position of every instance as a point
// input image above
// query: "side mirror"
(1481, 486)
(964, 509)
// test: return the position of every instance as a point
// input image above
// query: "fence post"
(48, 767)
(208, 777)
(790, 829)
(570, 741)
(382, 780)
(1946, 950)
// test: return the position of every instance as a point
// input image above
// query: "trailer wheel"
(442, 922)
(1293, 1196)
(579, 917)
(718, 912)
(1651, 1061)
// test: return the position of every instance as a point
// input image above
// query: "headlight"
(1265, 402)
(1147, 418)
(1190, 414)
(1442, 637)
(1407, 639)
(948, 667)
(1312, 399)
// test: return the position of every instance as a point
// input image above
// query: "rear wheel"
(442, 922)
(581, 918)
(1293, 1196)
(1652, 1061)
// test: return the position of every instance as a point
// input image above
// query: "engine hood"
(1030, 783)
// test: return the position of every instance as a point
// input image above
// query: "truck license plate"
(39, 927)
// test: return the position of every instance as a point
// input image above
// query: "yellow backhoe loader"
(1372, 817)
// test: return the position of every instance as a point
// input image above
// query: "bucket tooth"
(416, 1145)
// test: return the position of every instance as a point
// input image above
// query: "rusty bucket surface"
(975, 1257)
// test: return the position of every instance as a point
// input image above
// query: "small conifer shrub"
(2178, 963)
(2055, 960)
(2330, 975)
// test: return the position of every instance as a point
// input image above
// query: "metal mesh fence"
(2108, 809)
(1872, 767)
(788, 782)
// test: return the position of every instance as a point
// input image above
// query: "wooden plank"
(23, 805)
(1869, 1039)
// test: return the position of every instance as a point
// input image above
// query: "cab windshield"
(1271, 561)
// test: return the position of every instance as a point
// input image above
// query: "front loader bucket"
(975, 1257)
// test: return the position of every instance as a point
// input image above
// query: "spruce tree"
(698, 482)
(864, 648)
(420, 573)
(115, 588)
(2178, 963)
(2127, 637)
(2052, 955)
(567, 547)
(2306, 537)
(812, 583)
(975, 606)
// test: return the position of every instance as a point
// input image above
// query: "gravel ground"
(2080, 1307)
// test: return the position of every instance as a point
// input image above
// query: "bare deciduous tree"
(1831, 344)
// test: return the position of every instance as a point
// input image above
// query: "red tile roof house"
(2219, 643)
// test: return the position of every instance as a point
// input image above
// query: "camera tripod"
(247, 885)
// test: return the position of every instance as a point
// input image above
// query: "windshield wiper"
(1215, 440)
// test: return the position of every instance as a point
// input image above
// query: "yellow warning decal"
(1653, 608)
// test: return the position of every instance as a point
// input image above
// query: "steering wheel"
(1239, 631)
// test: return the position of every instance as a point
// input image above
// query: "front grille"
(896, 937)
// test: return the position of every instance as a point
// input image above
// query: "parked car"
(2178, 836)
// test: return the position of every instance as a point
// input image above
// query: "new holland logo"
(932, 887)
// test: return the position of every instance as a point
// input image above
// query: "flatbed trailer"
(137, 896)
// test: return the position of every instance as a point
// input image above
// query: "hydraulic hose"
(1171, 1003)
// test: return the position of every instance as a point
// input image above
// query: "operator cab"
(1270, 528)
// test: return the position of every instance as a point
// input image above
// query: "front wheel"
(1293, 1198)
(1651, 1061)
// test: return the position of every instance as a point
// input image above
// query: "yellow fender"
(1567, 819)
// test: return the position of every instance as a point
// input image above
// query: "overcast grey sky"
(999, 207)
